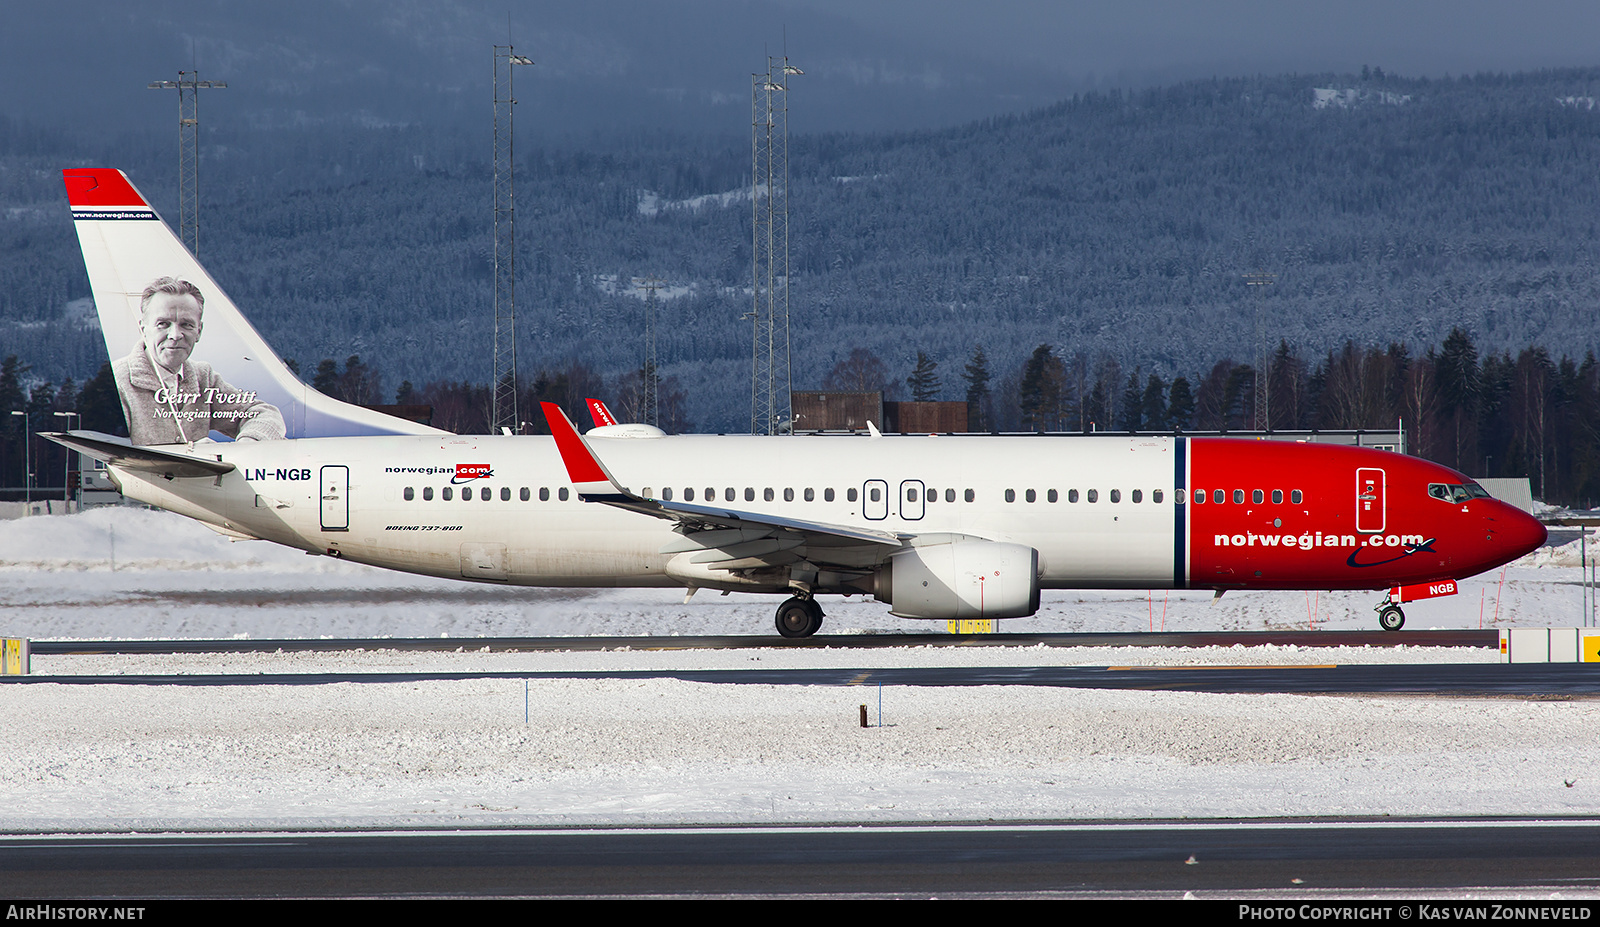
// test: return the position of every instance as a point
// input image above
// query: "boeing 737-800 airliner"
(936, 527)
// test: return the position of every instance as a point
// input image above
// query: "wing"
(718, 537)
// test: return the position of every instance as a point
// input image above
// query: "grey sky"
(685, 64)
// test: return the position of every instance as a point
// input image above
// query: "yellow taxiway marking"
(858, 680)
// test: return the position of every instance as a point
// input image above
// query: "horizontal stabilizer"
(122, 453)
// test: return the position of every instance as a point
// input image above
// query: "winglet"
(602, 415)
(588, 475)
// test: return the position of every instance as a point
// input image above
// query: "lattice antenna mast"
(649, 403)
(503, 405)
(1263, 380)
(770, 380)
(189, 86)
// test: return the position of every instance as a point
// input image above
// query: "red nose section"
(1519, 532)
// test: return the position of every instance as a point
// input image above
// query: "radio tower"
(503, 404)
(770, 381)
(189, 86)
(1263, 377)
(649, 405)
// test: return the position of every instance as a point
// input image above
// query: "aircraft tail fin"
(227, 384)
(602, 416)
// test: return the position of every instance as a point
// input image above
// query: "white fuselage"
(382, 500)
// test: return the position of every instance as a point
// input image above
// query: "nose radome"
(1520, 532)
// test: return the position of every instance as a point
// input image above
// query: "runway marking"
(268, 837)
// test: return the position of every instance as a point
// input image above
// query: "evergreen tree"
(1180, 407)
(100, 406)
(977, 377)
(1132, 404)
(1458, 384)
(924, 379)
(326, 379)
(1041, 391)
(1095, 411)
(1153, 405)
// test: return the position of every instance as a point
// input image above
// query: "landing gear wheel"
(799, 617)
(1391, 618)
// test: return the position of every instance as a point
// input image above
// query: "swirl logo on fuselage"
(1406, 550)
(466, 473)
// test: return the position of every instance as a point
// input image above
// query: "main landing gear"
(1390, 617)
(799, 617)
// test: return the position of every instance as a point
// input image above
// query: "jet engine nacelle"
(962, 579)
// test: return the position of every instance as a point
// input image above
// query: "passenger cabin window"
(729, 494)
(427, 494)
(1072, 495)
(1138, 496)
(1155, 496)
(561, 494)
(666, 493)
(410, 494)
(1052, 496)
(1295, 496)
(875, 494)
(788, 494)
(827, 494)
(1178, 496)
(1032, 496)
(849, 494)
(1219, 496)
(688, 494)
(911, 495)
(1011, 495)
(1116, 495)
(971, 495)
(1256, 496)
(505, 494)
(525, 494)
(811, 495)
(949, 495)
(749, 494)
(1277, 497)
(1092, 495)
(485, 493)
(1238, 497)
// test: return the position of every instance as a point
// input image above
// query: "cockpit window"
(1456, 492)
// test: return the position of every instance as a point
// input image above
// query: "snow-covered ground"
(663, 751)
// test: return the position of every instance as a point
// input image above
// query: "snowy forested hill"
(1388, 209)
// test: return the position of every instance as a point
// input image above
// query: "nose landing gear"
(1390, 617)
(799, 617)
